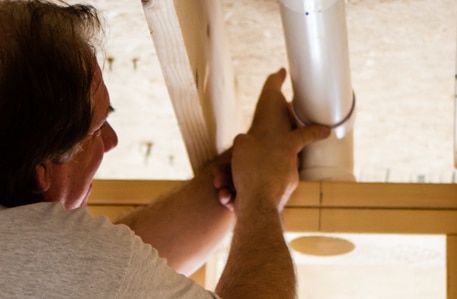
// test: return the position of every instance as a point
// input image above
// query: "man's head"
(50, 88)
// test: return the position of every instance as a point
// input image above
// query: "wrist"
(256, 206)
(267, 198)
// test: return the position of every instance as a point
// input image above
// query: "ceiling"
(402, 56)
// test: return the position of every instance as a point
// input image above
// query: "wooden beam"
(375, 221)
(326, 207)
(451, 249)
(189, 40)
(301, 219)
(135, 192)
(381, 208)
(389, 195)
(130, 192)
(398, 221)
(333, 195)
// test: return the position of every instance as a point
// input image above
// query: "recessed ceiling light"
(321, 245)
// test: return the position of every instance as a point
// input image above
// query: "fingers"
(226, 198)
(223, 183)
(304, 136)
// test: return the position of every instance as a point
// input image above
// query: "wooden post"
(451, 249)
(200, 276)
(189, 40)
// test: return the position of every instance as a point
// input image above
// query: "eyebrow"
(109, 110)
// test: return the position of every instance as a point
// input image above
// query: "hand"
(264, 161)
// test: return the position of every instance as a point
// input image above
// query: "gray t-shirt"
(48, 252)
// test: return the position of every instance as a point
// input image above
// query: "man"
(54, 130)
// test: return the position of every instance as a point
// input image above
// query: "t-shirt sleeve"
(149, 276)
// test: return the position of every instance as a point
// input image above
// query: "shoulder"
(45, 247)
(52, 221)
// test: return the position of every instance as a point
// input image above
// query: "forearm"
(259, 263)
(185, 225)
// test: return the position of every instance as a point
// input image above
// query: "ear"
(43, 175)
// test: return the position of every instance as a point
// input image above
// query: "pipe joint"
(343, 125)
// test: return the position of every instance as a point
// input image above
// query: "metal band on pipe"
(308, 123)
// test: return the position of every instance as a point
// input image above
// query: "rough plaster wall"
(403, 65)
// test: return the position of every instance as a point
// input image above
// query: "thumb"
(272, 111)
(304, 136)
(275, 80)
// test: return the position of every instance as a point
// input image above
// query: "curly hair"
(47, 60)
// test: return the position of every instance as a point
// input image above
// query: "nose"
(109, 137)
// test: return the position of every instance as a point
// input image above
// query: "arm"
(265, 173)
(186, 224)
(259, 263)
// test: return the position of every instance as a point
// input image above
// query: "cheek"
(84, 167)
(88, 160)
(95, 155)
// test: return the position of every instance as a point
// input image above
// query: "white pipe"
(317, 48)
(329, 160)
